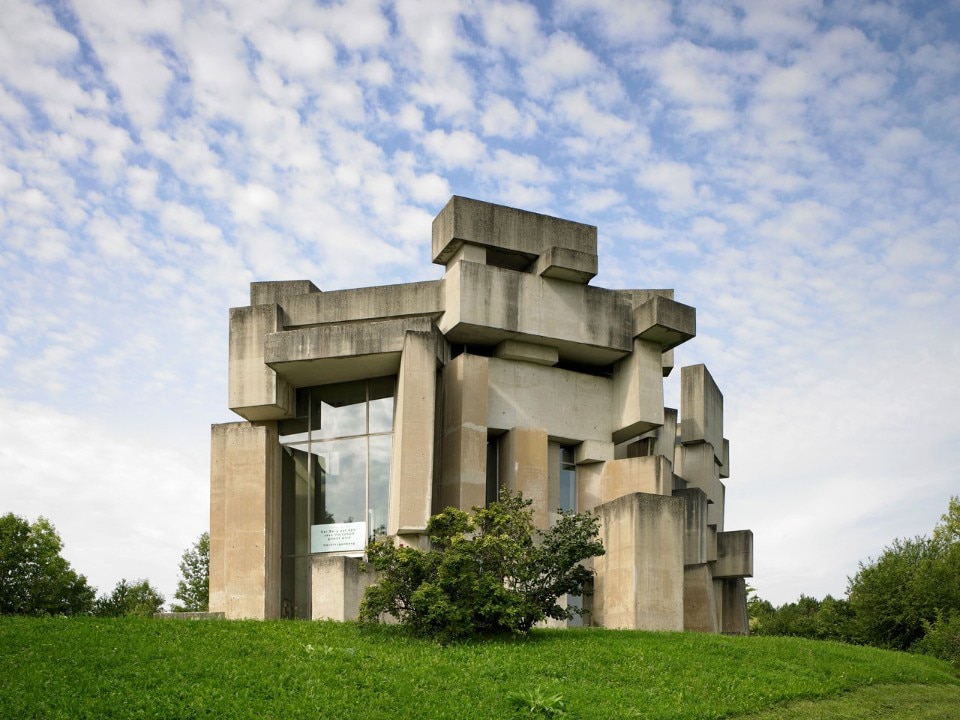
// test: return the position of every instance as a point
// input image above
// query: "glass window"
(568, 479)
(336, 471)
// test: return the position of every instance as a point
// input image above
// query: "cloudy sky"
(791, 168)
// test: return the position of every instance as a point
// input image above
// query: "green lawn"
(89, 668)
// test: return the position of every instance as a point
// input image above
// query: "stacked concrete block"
(511, 371)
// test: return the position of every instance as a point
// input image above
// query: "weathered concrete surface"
(245, 520)
(412, 471)
(734, 554)
(701, 408)
(254, 391)
(639, 582)
(665, 322)
(700, 611)
(463, 477)
(524, 468)
(338, 585)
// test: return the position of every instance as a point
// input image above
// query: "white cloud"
(562, 61)
(459, 148)
(623, 22)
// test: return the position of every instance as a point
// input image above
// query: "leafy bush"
(942, 639)
(139, 599)
(34, 578)
(486, 574)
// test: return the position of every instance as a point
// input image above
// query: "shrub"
(129, 599)
(485, 574)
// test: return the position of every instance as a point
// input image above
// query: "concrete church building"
(368, 410)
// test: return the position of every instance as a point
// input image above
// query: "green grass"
(89, 668)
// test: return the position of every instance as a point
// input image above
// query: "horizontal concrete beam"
(372, 303)
(464, 220)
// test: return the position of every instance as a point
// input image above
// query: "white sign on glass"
(338, 537)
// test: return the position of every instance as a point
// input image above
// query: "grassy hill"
(127, 668)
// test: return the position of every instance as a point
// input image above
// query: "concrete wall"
(338, 585)
(463, 477)
(639, 582)
(245, 520)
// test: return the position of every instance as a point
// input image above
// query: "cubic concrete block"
(734, 554)
(725, 464)
(639, 581)
(701, 408)
(338, 585)
(566, 264)
(277, 292)
(698, 466)
(665, 322)
(255, 392)
(650, 474)
(509, 230)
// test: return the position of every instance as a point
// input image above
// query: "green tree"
(485, 574)
(193, 589)
(129, 599)
(34, 578)
(906, 589)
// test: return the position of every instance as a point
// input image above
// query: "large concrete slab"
(639, 581)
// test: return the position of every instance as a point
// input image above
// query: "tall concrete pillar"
(700, 611)
(463, 477)
(245, 520)
(640, 579)
(524, 468)
(638, 389)
(412, 473)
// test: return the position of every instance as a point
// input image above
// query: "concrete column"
(411, 482)
(700, 610)
(734, 617)
(640, 579)
(245, 520)
(638, 390)
(650, 474)
(695, 526)
(254, 390)
(524, 467)
(701, 408)
(463, 476)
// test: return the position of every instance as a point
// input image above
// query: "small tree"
(193, 589)
(486, 574)
(129, 599)
(34, 578)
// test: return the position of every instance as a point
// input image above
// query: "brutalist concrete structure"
(367, 410)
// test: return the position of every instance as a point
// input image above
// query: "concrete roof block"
(371, 303)
(506, 229)
(665, 322)
(275, 292)
(701, 408)
(566, 264)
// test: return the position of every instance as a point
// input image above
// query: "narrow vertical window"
(493, 471)
(568, 479)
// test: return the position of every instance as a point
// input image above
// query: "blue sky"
(790, 168)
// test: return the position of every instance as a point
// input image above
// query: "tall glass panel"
(338, 410)
(296, 516)
(381, 393)
(568, 480)
(381, 447)
(341, 498)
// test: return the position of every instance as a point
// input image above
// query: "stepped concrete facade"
(368, 410)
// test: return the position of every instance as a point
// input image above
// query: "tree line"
(906, 599)
(35, 578)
